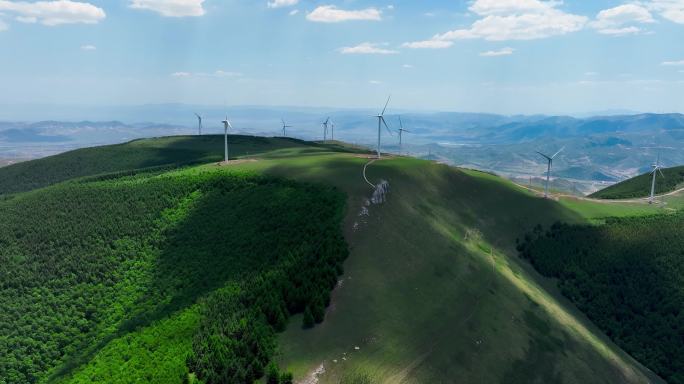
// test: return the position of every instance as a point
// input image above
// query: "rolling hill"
(140, 154)
(145, 290)
(640, 186)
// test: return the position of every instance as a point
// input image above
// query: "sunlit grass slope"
(640, 186)
(433, 290)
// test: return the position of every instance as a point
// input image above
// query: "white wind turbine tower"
(226, 125)
(548, 170)
(381, 121)
(332, 130)
(325, 129)
(656, 168)
(285, 126)
(199, 118)
(401, 131)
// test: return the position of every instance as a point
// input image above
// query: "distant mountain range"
(598, 150)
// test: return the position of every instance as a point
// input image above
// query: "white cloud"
(332, 14)
(294, 12)
(26, 19)
(367, 49)
(171, 8)
(52, 13)
(375, 82)
(88, 47)
(673, 63)
(282, 3)
(621, 20)
(672, 10)
(502, 20)
(508, 7)
(428, 44)
(621, 31)
(407, 66)
(591, 73)
(3, 26)
(500, 52)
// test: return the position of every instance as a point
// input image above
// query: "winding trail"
(364, 172)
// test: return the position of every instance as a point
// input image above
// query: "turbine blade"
(386, 126)
(386, 104)
(547, 158)
(661, 172)
(401, 125)
(556, 154)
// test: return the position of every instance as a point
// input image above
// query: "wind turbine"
(325, 129)
(332, 130)
(548, 170)
(656, 168)
(285, 126)
(401, 130)
(381, 121)
(226, 125)
(200, 123)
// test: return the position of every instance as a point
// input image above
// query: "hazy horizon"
(504, 57)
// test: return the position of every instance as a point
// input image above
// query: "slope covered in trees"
(627, 275)
(640, 186)
(147, 278)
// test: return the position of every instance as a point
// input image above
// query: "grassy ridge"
(112, 274)
(640, 186)
(627, 276)
(433, 291)
(137, 154)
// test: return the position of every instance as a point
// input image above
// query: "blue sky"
(504, 56)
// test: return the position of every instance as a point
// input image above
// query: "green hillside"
(628, 276)
(640, 186)
(166, 152)
(127, 280)
(190, 272)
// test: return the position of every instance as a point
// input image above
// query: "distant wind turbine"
(332, 130)
(285, 126)
(226, 125)
(325, 129)
(548, 170)
(401, 131)
(381, 121)
(656, 168)
(199, 118)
